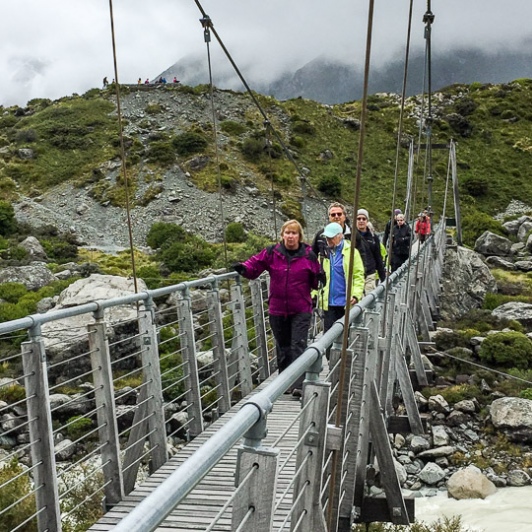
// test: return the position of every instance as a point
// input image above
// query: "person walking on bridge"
(294, 272)
(332, 297)
(401, 237)
(422, 226)
(372, 258)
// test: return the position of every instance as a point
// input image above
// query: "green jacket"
(357, 287)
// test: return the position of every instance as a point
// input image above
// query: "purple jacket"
(292, 277)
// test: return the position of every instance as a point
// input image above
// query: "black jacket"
(401, 240)
(372, 257)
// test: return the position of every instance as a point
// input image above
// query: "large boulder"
(513, 415)
(466, 280)
(469, 483)
(489, 243)
(515, 310)
(33, 248)
(67, 337)
(33, 276)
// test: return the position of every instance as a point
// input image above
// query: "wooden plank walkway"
(205, 501)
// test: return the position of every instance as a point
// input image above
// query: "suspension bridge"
(257, 459)
(163, 409)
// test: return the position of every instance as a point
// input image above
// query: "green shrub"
(18, 489)
(476, 186)
(252, 149)
(8, 224)
(77, 426)
(444, 524)
(526, 394)
(161, 152)
(150, 275)
(12, 393)
(232, 128)
(153, 108)
(234, 232)
(474, 223)
(507, 349)
(60, 250)
(454, 394)
(12, 292)
(162, 233)
(303, 128)
(330, 185)
(189, 143)
(190, 256)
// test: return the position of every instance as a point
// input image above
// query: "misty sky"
(54, 48)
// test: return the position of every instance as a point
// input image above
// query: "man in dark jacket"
(401, 237)
(388, 227)
(372, 258)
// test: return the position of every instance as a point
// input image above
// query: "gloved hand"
(315, 302)
(239, 268)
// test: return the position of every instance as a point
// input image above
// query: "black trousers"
(291, 333)
(331, 315)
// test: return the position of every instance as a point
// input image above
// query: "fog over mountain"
(56, 48)
(331, 81)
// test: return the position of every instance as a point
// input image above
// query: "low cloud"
(55, 48)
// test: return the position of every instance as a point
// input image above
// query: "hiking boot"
(296, 392)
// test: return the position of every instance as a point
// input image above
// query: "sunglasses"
(363, 218)
(336, 214)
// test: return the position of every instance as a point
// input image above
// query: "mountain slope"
(65, 157)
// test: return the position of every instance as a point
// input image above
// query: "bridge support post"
(338, 490)
(105, 410)
(353, 425)
(256, 482)
(40, 428)
(307, 512)
(188, 350)
(220, 360)
(152, 381)
(240, 339)
(257, 302)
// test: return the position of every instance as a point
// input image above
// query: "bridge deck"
(204, 502)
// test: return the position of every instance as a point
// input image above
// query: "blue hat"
(332, 230)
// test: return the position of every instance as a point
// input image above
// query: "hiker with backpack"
(372, 256)
(294, 272)
(332, 297)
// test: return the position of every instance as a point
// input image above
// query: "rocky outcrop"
(489, 243)
(469, 483)
(515, 310)
(66, 338)
(33, 248)
(466, 280)
(33, 276)
(513, 416)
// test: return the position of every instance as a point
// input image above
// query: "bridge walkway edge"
(203, 503)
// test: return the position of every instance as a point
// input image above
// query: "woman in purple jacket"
(294, 272)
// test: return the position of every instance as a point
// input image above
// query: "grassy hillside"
(76, 139)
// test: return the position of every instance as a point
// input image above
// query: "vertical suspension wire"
(345, 338)
(269, 141)
(428, 18)
(397, 154)
(207, 24)
(122, 149)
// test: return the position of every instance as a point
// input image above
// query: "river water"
(507, 510)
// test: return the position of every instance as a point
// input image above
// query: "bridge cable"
(256, 101)
(397, 154)
(345, 338)
(428, 19)
(207, 37)
(268, 127)
(122, 149)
